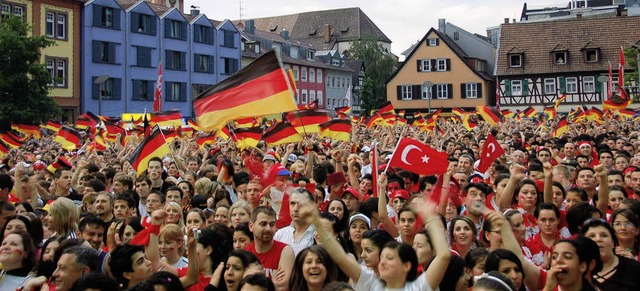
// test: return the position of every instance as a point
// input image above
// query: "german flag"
(550, 112)
(60, 163)
(373, 120)
(469, 121)
(246, 122)
(338, 129)
(490, 114)
(4, 149)
(224, 133)
(308, 121)
(10, 140)
(246, 137)
(153, 145)
(205, 140)
(343, 111)
(560, 100)
(53, 125)
(458, 112)
(507, 113)
(261, 88)
(387, 107)
(561, 128)
(98, 143)
(281, 133)
(30, 130)
(611, 105)
(170, 134)
(83, 122)
(111, 128)
(594, 114)
(530, 112)
(68, 137)
(626, 113)
(168, 118)
(193, 123)
(436, 114)
(311, 105)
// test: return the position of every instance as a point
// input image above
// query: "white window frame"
(61, 66)
(586, 53)
(425, 65)
(319, 76)
(304, 97)
(563, 58)
(312, 95)
(407, 92)
(298, 96)
(443, 91)
(50, 20)
(320, 100)
(550, 86)
(433, 42)
(516, 88)
(471, 90)
(51, 68)
(442, 65)
(296, 70)
(6, 9)
(426, 92)
(312, 75)
(519, 65)
(571, 85)
(18, 11)
(589, 84)
(61, 19)
(303, 74)
(294, 52)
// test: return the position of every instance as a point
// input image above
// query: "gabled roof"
(126, 4)
(454, 48)
(347, 24)
(537, 39)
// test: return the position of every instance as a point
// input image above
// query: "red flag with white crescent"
(491, 151)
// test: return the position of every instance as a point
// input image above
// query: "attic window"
(515, 60)
(273, 28)
(344, 30)
(432, 42)
(591, 55)
(560, 58)
(313, 32)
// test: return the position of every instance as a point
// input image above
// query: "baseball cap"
(350, 190)
(269, 157)
(292, 158)
(199, 201)
(360, 216)
(402, 194)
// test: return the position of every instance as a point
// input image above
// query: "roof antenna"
(241, 9)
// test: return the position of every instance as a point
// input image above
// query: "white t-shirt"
(369, 282)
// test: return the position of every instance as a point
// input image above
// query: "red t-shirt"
(199, 285)
(269, 259)
(538, 248)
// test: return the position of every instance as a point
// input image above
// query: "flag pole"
(393, 154)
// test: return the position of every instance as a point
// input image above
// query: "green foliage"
(631, 61)
(379, 65)
(23, 79)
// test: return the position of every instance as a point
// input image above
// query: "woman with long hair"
(240, 212)
(18, 258)
(63, 217)
(358, 224)
(174, 214)
(463, 235)
(522, 194)
(312, 270)
(506, 263)
(372, 243)
(338, 208)
(195, 219)
(627, 227)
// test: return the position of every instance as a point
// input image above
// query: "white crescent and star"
(405, 152)
(491, 149)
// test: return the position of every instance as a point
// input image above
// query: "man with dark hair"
(273, 255)
(143, 188)
(155, 201)
(121, 264)
(154, 172)
(174, 194)
(104, 207)
(6, 209)
(62, 181)
(6, 185)
(95, 281)
(122, 183)
(109, 174)
(94, 185)
(92, 229)
(298, 235)
(256, 282)
(123, 206)
(74, 262)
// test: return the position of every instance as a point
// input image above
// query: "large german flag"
(626, 113)
(153, 145)
(112, 128)
(343, 111)
(562, 127)
(246, 137)
(10, 140)
(246, 122)
(31, 130)
(261, 88)
(53, 125)
(87, 120)
(469, 121)
(507, 113)
(205, 140)
(490, 114)
(308, 121)
(387, 107)
(374, 119)
(458, 112)
(68, 137)
(281, 133)
(550, 112)
(611, 105)
(338, 129)
(168, 118)
(530, 112)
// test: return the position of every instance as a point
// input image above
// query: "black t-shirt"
(163, 188)
(625, 278)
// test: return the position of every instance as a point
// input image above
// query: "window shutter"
(598, 85)
(97, 48)
(183, 60)
(525, 87)
(136, 89)
(416, 92)
(153, 23)
(563, 84)
(183, 91)
(167, 28)
(135, 22)
(151, 89)
(95, 89)
(434, 92)
(448, 64)
(197, 37)
(399, 92)
(212, 63)
(437, 41)
(97, 15)
(419, 65)
(116, 18)
(212, 34)
(450, 91)
(463, 90)
(507, 87)
(479, 88)
(183, 31)
(117, 88)
(112, 52)
(434, 65)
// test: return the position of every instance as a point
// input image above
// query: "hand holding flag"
(416, 157)
(491, 151)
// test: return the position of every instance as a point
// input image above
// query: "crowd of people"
(550, 214)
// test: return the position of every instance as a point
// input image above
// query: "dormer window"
(515, 60)
(560, 58)
(591, 55)
(432, 42)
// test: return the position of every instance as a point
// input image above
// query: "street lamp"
(100, 82)
(428, 84)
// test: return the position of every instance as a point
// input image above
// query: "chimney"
(194, 12)
(579, 16)
(249, 26)
(442, 26)
(514, 20)
(284, 33)
(326, 33)
(506, 20)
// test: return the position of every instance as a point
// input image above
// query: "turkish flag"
(416, 157)
(491, 151)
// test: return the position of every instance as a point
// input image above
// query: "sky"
(404, 21)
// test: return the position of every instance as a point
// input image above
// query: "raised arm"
(386, 221)
(603, 192)
(548, 182)
(151, 250)
(435, 228)
(517, 174)
(352, 172)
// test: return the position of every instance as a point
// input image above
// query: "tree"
(23, 79)
(379, 66)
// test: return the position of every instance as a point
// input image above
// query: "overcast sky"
(403, 21)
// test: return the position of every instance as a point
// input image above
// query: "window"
(50, 64)
(333, 82)
(433, 42)
(456, 35)
(303, 75)
(176, 91)
(294, 52)
(342, 83)
(442, 65)
(296, 72)
(572, 85)
(56, 25)
(443, 91)
(106, 90)
(6, 9)
(142, 89)
(426, 92)
(549, 86)
(109, 90)
(143, 55)
(106, 17)
(230, 66)
(18, 10)
(424, 65)
(312, 96)
(104, 52)
(298, 96)
(589, 84)
(175, 60)
(407, 93)
(319, 76)
(310, 54)
(203, 63)
(335, 62)
(143, 23)
(175, 29)
(516, 88)
(515, 60)
(197, 89)
(203, 34)
(320, 99)
(471, 90)
(229, 39)
(304, 96)
(591, 56)
(312, 75)
(57, 69)
(560, 58)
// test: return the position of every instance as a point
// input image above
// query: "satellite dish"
(101, 79)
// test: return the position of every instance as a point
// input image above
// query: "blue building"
(124, 41)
